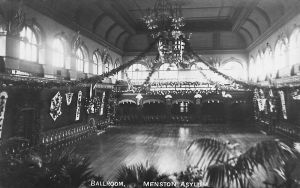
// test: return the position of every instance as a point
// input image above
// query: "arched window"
(234, 69)
(137, 72)
(259, 68)
(252, 70)
(82, 60)
(58, 56)
(268, 62)
(97, 63)
(168, 72)
(117, 64)
(108, 63)
(28, 44)
(295, 47)
(280, 54)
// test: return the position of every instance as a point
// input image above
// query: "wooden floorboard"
(162, 146)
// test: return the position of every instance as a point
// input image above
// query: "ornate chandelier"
(165, 22)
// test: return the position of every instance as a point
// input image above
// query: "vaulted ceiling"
(215, 24)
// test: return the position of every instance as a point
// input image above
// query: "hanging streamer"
(77, 117)
(281, 94)
(3, 99)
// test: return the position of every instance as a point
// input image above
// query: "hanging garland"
(55, 107)
(3, 99)
(77, 115)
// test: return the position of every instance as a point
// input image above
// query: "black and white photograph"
(150, 93)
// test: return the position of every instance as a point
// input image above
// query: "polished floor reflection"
(161, 145)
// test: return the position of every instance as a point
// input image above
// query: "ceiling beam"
(98, 20)
(264, 15)
(242, 12)
(108, 31)
(119, 37)
(255, 25)
(197, 26)
(247, 32)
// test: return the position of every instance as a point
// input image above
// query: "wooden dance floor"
(161, 145)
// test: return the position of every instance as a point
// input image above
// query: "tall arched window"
(28, 44)
(117, 64)
(97, 63)
(268, 62)
(252, 70)
(58, 56)
(82, 60)
(137, 72)
(259, 68)
(168, 72)
(280, 54)
(108, 63)
(234, 69)
(294, 47)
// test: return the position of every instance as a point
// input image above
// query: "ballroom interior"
(202, 91)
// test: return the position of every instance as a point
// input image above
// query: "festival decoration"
(69, 97)
(102, 104)
(261, 104)
(198, 98)
(255, 103)
(55, 107)
(3, 99)
(165, 22)
(296, 95)
(283, 107)
(138, 97)
(272, 106)
(77, 116)
(226, 95)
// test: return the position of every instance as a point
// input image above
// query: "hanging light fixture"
(165, 22)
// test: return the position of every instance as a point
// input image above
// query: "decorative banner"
(90, 106)
(138, 97)
(102, 104)
(261, 104)
(69, 97)
(77, 117)
(226, 95)
(3, 99)
(55, 107)
(281, 94)
(255, 98)
(272, 106)
(271, 93)
(296, 95)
